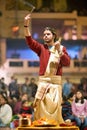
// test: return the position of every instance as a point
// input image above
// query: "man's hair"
(53, 31)
(3, 94)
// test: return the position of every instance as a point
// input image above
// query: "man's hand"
(27, 20)
(57, 44)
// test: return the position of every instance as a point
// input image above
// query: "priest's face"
(48, 37)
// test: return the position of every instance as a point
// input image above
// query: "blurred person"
(24, 96)
(18, 104)
(83, 86)
(71, 97)
(76, 57)
(67, 110)
(67, 87)
(3, 86)
(11, 103)
(79, 109)
(53, 56)
(25, 87)
(25, 108)
(13, 88)
(33, 87)
(5, 110)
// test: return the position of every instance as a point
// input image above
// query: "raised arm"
(33, 44)
(26, 25)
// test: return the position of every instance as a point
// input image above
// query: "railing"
(20, 66)
(76, 66)
(25, 67)
(20, 63)
(78, 63)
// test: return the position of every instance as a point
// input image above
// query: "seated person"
(71, 97)
(79, 109)
(26, 109)
(67, 110)
(5, 110)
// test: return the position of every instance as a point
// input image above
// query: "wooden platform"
(48, 128)
(7, 128)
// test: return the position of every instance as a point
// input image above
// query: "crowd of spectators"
(17, 99)
(74, 104)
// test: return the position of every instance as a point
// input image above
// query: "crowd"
(18, 99)
(74, 103)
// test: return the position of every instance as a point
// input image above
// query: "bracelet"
(25, 26)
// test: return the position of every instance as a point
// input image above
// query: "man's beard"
(48, 41)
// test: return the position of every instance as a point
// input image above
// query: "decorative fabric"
(49, 92)
(49, 95)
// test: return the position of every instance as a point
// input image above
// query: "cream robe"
(49, 93)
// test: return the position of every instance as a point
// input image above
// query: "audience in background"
(71, 97)
(25, 108)
(3, 86)
(5, 110)
(25, 87)
(74, 105)
(13, 88)
(79, 110)
(11, 103)
(33, 87)
(24, 96)
(67, 87)
(83, 86)
(19, 101)
(67, 110)
(17, 106)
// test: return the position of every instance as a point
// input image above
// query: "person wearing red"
(25, 108)
(53, 56)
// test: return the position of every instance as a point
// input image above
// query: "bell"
(25, 121)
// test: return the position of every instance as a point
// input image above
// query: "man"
(13, 88)
(3, 85)
(25, 87)
(53, 56)
(67, 87)
(33, 87)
